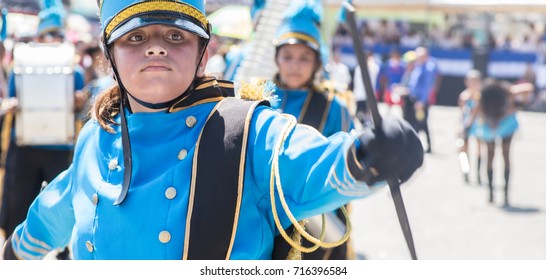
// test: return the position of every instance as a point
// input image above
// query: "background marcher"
(29, 167)
(496, 120)
(469, 100)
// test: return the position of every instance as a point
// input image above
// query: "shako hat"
(121, 16)
(51, 17)
(301, 25)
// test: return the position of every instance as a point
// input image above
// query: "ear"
(277, 59)
(203, 64)
(318, 65)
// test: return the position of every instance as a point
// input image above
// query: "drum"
(45, 91)
(334, 227)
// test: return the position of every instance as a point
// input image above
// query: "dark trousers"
(26, 168)
(362, 111)
(410, 115)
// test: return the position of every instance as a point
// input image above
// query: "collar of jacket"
(209, 90)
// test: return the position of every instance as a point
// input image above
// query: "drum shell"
(44, 78)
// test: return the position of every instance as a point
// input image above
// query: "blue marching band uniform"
(484, 130)
(212, 177)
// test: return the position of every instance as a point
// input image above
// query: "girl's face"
(157, 63)
(297, 64)
(474, 84)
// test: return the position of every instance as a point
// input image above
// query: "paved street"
(451, 220)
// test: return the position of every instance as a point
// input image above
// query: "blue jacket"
(77, 207)
(422, 80)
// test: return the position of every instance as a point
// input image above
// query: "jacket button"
(89, 246)
(191, 121)
(170, 193)
(182, 154)
(95, 199)
(164, 236)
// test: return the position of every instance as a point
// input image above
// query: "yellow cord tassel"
(256, 89)
(300, 230)
(294, 253)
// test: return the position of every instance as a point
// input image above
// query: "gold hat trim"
(299, 36)
(154, 5)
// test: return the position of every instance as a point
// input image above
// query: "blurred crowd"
(530, 37)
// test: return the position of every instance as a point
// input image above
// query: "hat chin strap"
(125, 138)
(161, 105)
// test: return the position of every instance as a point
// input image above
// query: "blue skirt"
(507, 127)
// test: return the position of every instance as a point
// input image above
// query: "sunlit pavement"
(452, 220)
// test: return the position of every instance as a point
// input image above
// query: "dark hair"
(494, 100)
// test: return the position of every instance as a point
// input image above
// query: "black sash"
(219, 164)
(315, 111)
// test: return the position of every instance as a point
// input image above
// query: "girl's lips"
(155, 69)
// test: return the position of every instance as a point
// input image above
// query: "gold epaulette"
(256, 89)
(345, 96)
(328, 86)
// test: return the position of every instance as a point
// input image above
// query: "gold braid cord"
(300, 230)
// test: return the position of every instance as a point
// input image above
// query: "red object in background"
(432, 97)
(391, 99)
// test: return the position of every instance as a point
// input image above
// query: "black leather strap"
(317, 110)
(218, 183)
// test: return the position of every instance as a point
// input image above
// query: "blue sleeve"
(79, 80)
(49, 221)
(314, 172)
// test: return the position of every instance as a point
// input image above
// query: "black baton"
(394, 185)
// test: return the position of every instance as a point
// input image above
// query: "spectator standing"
(390, 74)
(423, 82)
(359, 92)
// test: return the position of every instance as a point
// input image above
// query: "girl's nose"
(156, 49)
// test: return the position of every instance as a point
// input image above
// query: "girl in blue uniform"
(134, 189)
(301, 91)
(496, 121)
(468, 104)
